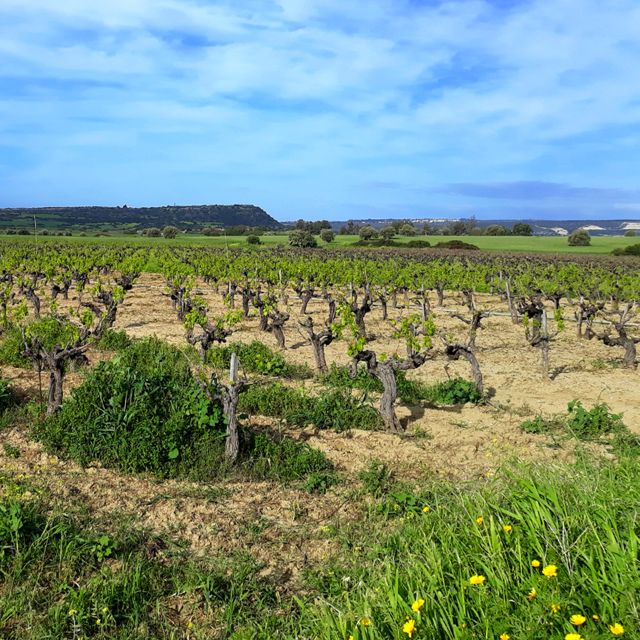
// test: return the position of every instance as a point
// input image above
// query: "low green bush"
(449, 392)
(583, 424)
(141, 411)
(631, 250)
(453, 391)
(112, 340)
(7, 396)
(12, 348)
(591, 424)
(256, 357)
(336, 409)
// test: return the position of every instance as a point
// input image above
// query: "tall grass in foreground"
(516, 558)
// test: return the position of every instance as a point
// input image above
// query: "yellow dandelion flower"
(595, 617)
(617, 629)
(555, 607)
(476, 580)
(507, 528)
(417, 605)
(577, 619)
(365, 622)
(351, 638)
(72, 612)
(551, 571)
(426, 509)
(409, 627)
(536, 564)
(532, 595)
(505, 636)
(573, 636)
(479, 520)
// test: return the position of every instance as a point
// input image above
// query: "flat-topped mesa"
(182, 216)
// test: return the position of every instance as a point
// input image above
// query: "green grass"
(582, 520)
(533, 244)
(63, 576)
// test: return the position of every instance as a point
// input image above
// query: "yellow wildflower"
(505, 636)
(479, 520)
(577, 619)
(409, 627)
(351, 638)
(477, 580)
(573, 636)
(555, 607)
(617, 629)
(535, 564)
(72, 612)
(532, 595)
(189, 625)
(595, 617)
(426, 509)
(551, 571)
(507, 528)
(417, 605)
(365, 622)
(104, 610)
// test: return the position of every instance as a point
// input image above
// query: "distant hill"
(546, 227)
(182, 216)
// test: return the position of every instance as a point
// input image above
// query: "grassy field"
(534, 244)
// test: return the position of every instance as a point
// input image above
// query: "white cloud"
(424, 94)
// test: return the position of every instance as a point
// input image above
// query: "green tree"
(579, 238)
(302, 239)
(367, 232)
(170, 232)
(327, 235)
(522, 229)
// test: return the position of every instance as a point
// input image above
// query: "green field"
(533, 244)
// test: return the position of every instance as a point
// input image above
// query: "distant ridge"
(182, 216)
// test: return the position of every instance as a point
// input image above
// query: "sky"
(324, 109)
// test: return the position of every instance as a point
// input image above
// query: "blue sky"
(326, 108)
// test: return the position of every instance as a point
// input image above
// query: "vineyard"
(276, 443)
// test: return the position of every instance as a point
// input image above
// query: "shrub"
(456, 244)
(579, 238)
(257, 358)
(253, 240)
(152, 232)
(327, 235)
(142, 411)
(7, 397)
(630, 233)
(113, 340)
(407, 230)
(454, 391)
(170, 232)
(496, 230)
(367, 232)
(538, 425)
(592, 423)
(522, 229)
(631, 250)
(302, 239)
(284, 459)
(336, 409)
(418, 244)
(12, 348)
